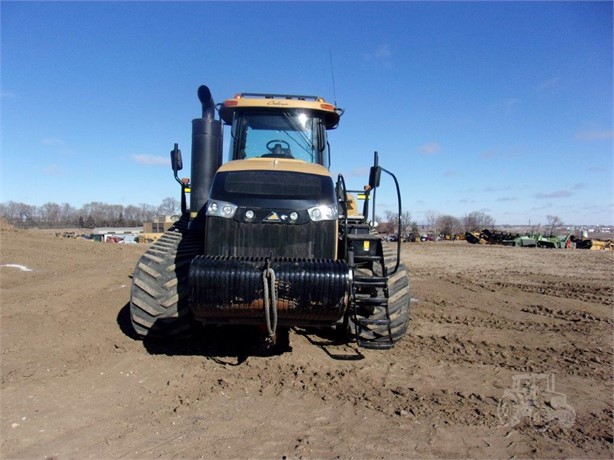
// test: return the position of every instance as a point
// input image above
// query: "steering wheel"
(271, 145)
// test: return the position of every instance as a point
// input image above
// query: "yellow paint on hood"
(274, 164)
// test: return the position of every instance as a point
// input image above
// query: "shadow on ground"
(235, 342)
(238, 342)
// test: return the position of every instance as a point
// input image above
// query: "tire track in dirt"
(575, 316)
(594, 362)
(498, 323)
(589, 430)
(596, 292)
(363, 390)
(453, 305)
(584, 292)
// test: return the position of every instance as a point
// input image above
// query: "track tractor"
(269, 238)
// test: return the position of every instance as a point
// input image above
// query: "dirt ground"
(75, 383)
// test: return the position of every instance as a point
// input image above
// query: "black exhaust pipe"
(207, 144)
(204, 96)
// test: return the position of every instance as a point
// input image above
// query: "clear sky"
(501, 107)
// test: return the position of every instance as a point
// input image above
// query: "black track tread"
(158, 301)
(398, 302)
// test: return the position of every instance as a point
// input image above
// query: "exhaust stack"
(207, 144)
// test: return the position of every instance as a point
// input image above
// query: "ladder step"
(370, 282)
(358, 259)
(371, 301)
(362, 278)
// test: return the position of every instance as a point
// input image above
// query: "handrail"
(344, 201)
(396, 183)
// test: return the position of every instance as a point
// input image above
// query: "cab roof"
(241, 101)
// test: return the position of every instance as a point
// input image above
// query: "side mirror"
(374, 176)
(176, 162)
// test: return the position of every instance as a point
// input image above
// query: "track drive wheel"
(158, 301)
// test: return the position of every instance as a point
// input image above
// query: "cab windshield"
(279, 134)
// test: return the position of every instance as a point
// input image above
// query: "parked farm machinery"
(568, 241)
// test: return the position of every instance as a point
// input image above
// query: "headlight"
(319, 213)
(221, 209)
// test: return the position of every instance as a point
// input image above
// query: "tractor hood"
(274, 164)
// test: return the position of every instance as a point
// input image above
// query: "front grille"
(228, 237)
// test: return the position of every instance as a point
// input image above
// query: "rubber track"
(158, 301)
(398, 302)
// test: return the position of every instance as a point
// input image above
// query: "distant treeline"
(449, 227)
(443, 225)
(91, 215)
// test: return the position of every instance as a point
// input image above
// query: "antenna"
(332, 74)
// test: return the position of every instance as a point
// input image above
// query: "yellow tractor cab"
(280, 126)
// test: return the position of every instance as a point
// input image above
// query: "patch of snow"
(23, 268)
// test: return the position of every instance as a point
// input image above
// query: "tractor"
(269, 239)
